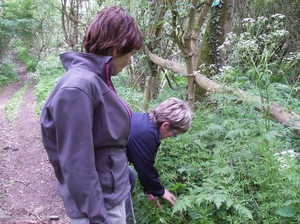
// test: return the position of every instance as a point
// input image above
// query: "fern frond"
(242, 210)
(183, 203)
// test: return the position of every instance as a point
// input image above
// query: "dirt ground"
(28, 192)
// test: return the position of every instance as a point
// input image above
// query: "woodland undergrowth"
(235, 165)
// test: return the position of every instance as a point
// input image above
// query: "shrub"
(48, 72)
(27, 58)
(7, 73)
(263, 47)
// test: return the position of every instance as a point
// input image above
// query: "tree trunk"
(218, 27)
(153, 33)
(189, 47)
(210, 57)
(147, 93)
(277, 113)
(71, 25)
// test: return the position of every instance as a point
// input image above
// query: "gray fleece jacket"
(85, 126)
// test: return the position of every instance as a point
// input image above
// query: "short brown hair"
(112, 28)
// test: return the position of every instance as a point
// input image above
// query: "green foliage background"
(235, 165)
(229, 168)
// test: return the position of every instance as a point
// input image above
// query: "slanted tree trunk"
(277, 113)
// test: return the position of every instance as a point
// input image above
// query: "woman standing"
(85, 124)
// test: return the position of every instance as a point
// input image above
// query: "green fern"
(242, 210)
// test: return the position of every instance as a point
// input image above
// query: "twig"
(25, 184)
(31, 213)
(182, 216)
(3, 208)
(140, 109)
(257, 204)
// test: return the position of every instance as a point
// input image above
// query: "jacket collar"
(91, 62)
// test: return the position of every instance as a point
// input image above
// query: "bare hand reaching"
(154, 200)
(168, 196)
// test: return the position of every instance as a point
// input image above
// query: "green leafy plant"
(225, 170)
(263, 47)
(7, 73)
(259, 62)
(48, 72)
(27, 58)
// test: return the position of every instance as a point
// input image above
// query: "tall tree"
(75, 16)
(186, 21)
(219, 25)
(17, 22)
(211, 58)
(154, 34)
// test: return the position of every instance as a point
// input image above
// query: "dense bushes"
(7, 72)
(27, 58)
(48, 72)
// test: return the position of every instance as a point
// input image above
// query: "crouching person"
(168, 119)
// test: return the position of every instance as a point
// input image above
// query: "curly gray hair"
(174, 111)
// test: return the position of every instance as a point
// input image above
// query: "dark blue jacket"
(141, 150)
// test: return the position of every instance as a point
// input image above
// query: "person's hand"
(154, 200)
(169, 197)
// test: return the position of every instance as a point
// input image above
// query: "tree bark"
(71, 24)
(277, 113)
(154, 33)
(219, 25)
(211, 59)
(147, 93)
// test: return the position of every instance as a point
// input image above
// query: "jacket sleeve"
(73, 113)
(141, 153)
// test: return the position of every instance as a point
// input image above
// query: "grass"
(13, 105)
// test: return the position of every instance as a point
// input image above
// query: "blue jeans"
(128, 205)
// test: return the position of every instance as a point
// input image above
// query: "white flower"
(283, 157)
(248, 20)
(262, 19)
(280, 16)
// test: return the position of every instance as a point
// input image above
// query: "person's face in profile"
(120, 61)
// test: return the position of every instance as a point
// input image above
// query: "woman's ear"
(115, 52)
(165, 125)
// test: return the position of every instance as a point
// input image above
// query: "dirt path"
(28, 192)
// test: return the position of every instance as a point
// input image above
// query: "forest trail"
(28, 192)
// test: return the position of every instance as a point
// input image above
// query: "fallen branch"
(277, 113)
